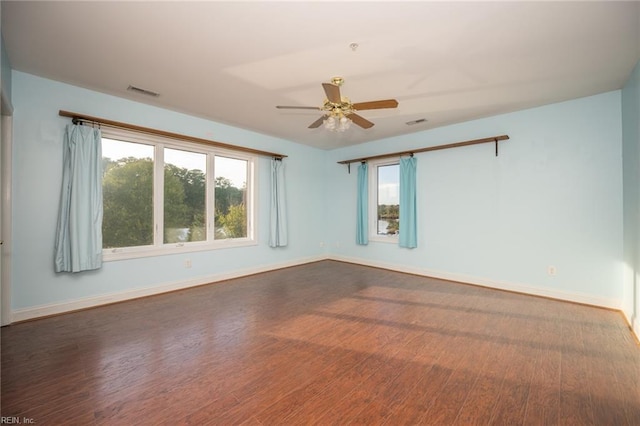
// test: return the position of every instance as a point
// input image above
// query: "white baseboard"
(24, 314)
(633, 323)
(483, 282)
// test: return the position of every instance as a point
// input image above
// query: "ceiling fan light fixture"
(336, 121)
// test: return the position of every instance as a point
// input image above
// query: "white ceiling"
(233, 62)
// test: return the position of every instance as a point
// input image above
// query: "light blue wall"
(631, 176)
(37, 170)
(553, 197)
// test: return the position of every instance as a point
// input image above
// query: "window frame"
(159, 248)
(373, 166)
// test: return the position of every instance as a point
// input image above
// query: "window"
(184, 196)
(230, 198)
(127, 194)
(384, 200)
(165, 196)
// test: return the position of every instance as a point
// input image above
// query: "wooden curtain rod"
(81, 118)
(493, 139)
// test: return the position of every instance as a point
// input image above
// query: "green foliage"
(226, 197)
(234, 223)
(184, 203)
(128, 204)
(127, 192)
(388, 211)
(391, 214)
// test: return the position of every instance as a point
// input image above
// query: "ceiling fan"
(339, 112)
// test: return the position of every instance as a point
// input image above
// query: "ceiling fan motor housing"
(343, 108)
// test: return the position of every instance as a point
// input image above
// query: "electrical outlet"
(321, 243)
(551, 270)
(187, 263)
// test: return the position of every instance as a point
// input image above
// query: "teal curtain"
(408, 229)
(78, 244)
(362, 207)
(278, 215)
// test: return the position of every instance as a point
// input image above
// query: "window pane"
(127, 187)
(388, 199)
(230, 198)
(184, 196)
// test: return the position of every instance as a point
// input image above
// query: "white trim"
(105, 299)
(483, 282)
(634, 325)
(627, 318)
(126, 253)
(7, 218)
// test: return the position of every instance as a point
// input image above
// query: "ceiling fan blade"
(386, 103)
(333, 92)
(296, 107)
(317, 123)
(360, 121)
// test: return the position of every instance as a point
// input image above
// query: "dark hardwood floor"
(325, 343)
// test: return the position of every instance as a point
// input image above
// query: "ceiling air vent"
(420, 120)
(142, 91)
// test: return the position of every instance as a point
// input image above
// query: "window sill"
(383, 239)
(109, 255)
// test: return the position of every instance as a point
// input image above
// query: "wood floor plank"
(389, 397)
(575, 400)
(478, 406)
(289, 406)
(430, 372)
(511, 401)
(607, 400)
(325, 343)
(429, 379)
(314, 409)
(474, 337)
(542, 407)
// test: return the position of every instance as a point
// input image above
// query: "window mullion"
(373, 199)
(251, 202)
(210, 197)
(158, 196)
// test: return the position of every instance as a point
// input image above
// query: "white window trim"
(159, 248)
(373, 200)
